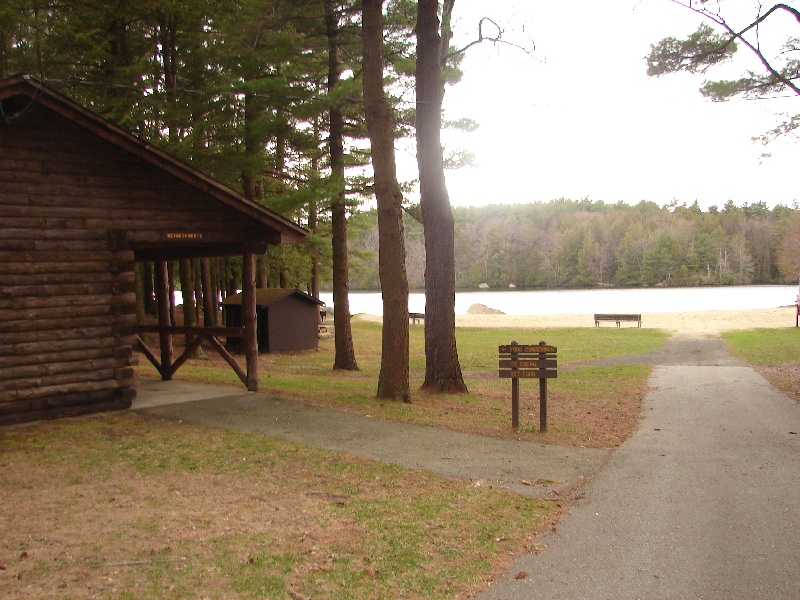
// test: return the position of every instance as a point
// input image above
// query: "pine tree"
(442, 368)
(393, 381)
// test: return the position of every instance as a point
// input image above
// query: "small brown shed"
(81, 201)
(288, 319)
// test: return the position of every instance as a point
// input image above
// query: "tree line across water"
(585, 243)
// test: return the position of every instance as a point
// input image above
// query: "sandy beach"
(698, 323)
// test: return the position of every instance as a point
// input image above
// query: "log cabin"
(81, 201)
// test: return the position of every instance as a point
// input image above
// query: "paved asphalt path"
(703, 501)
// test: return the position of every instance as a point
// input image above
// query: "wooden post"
(514, 395)
(542, 396)
(249, 322)
(165, 338)
(543, 405)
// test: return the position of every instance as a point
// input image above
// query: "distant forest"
(584, 243)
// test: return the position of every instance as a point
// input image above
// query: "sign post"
(528, 361)
(543, 405)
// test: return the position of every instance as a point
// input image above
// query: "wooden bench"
(416, 317)
(617, 319)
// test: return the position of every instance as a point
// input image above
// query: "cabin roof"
(269, 296)
(20, 92)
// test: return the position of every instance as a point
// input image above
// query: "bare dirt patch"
(785, 377)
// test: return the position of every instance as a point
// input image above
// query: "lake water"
(554, 302)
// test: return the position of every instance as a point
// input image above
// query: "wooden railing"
(209, 334)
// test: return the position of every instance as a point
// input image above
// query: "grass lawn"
(587, 405)
(775, 353)
(128, 506)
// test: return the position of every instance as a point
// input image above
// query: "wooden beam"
(149, 354)
(183, 330)
(188, 352)
(250, 338)
(160, 252)
(228, 358)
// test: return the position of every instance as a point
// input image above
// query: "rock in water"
(482, 309)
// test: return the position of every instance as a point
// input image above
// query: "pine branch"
(740, 35)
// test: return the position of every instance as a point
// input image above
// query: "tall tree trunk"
(393, 379)
(442, 368)
(171, 284)
(116, 100)
(313, 211)
(343, 336)
(168, 27)
(5, 48)
(150, 305)
(253, 143)
(209, 294)
(166, 302)
(140, 298)
(187, 291)
(230, 275)
(250, 319)
(312, 227)
(262, 272)
(199, 301)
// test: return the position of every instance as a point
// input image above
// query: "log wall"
(74, 211)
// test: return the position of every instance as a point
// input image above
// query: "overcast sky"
(579, 117)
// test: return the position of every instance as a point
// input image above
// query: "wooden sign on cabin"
(183, 235)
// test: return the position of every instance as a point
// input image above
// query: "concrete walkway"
(703, 501)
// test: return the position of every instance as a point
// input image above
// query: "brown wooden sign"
(527, 349)
(520, 362)
(183, 235)
(528, 361)
(542, 363)
(529, 374)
